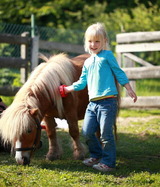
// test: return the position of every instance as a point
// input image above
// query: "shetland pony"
(39, 99)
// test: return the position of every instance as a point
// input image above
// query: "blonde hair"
(96, 31)
(43, 83)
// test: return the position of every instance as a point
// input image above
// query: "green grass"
(148, 87)
(138, 159)
(139, 112)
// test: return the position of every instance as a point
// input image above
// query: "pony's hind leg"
(54, 151)
(78, 148)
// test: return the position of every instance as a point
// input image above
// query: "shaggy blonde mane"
(44, 81)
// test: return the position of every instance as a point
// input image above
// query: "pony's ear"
(33, 111)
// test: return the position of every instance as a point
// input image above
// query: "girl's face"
(95, 45)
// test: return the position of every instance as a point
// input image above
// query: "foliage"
(9, 77)
(120, 20)
(137, 159)
(68, 19)
(117, 15)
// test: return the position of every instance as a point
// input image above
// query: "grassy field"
(138, 159)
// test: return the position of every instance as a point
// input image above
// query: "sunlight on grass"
(137, 159)
(139, 112)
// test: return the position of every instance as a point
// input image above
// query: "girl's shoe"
(102, 167)
(90, 161)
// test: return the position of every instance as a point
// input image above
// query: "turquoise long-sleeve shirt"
(98, 74)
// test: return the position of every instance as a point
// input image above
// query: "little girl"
(99, 73)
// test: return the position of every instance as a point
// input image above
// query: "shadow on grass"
(134, 154)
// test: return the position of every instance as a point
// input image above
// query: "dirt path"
(127, 120)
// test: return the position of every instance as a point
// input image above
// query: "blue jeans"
(101, 115)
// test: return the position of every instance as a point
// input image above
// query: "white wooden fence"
(127, 43)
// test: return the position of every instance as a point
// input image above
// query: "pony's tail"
(118, 108)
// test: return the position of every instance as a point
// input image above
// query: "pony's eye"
(29, 131)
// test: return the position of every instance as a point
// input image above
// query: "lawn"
(138, 159)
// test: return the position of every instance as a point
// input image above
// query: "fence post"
(119, 59)
(34, 46)
(24, 55)
(34, 52)
(127, 62)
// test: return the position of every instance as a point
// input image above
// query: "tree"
(77, 14)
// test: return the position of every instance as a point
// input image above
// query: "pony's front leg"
(54, 149)
(78, 148)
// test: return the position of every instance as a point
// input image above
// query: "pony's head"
(22, 130)
(29, 140)
(20, 122)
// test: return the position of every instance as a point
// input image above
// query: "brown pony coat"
(41, 91)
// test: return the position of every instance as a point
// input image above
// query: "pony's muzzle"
(23, 161)
(26, 161)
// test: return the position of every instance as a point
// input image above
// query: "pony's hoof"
(78, 155)
(52, 157)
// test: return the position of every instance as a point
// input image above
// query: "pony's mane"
(43, 82)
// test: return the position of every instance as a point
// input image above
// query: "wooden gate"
(127, 44)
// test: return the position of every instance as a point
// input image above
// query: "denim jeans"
(101, 115)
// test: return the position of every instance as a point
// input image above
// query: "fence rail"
(16, 62)
(127, 43)
(133, 37)
(134, 73)
(9, 90)
(142, 102)
(13, 62)
(72, 48)
(14, 39)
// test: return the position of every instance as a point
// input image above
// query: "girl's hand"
(62, 90)
(130, 92)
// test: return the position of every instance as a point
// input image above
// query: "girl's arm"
(68, 89)
(118, 72)
(130, 92)
(121, 76)
(64, 90)
(76, 86)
